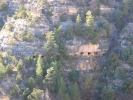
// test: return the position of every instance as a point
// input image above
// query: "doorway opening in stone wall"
(95, 53)
(89, 53)
(81, 53)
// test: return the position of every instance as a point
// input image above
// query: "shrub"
(19, 66)
(31, 83)
(19, 78)
(8, 69)
(2, 71)
(22, 14)
(26, 93)
(35, 95)
(63, 18)
(10, 27)
(15, 90)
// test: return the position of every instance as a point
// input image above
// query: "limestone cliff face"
(85, 56)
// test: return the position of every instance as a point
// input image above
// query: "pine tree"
(61, 88)
(57, 34)
(89, 19)
(31, 83)
(67, 97)
(19, 78)
(51, 46)
(52, 75)
(39, 72)
(2, 71)
(39, 68)
(35, 95)
(15, 90)
(40, 64)
(78, 26)
(26, 93)
(73, 75)
(89, 24)
(75, 92)
(107, 94)
(69, 32)
(78, 19)
(8, 69)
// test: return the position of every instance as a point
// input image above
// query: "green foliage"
(60, 41)
(19, 66)
(122, 74)
(10, 27)
(127, 86)
(2, 71)
(52, 76)
(108, 94)
(50, 12)
(95, 38)
(15, 90)
(8, 69)
(78, 27)
(98, 10)
(67, 97)
(31, 83)
(88, 82)
(117, 71)
(74, 92)
(104, 25)
(90, 32)
(63, 18)
(22, 14)
(35, 95)
(73, 18)
(61, 88)
(89, 19)
(69, 32)
(41, 2)
(39, 70)
(19, 78)
(126, 53)
(28, 61)
(51, 46)
(104, 1)
(26, 93)
(28, 37)
(118, 15)
(42, 37)
(73, 75)
(113, 60)
(130, 60)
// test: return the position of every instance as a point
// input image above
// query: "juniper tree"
(108, 94)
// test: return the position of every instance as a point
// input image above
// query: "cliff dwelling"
(88, 49)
